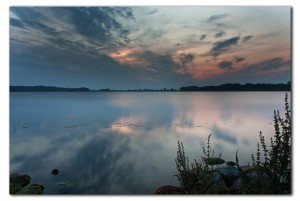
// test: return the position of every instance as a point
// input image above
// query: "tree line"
(240, 87)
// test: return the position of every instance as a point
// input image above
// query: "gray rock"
(17, 182)
(236, 185)
(33, 189)
(229, 170)
(20, 179)
(216, 182)
(229, 174)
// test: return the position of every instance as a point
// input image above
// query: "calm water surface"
(126, 143)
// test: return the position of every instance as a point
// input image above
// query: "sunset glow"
(149, 47)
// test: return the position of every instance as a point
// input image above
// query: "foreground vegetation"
(270, 172)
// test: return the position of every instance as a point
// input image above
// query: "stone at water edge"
(236, 185)
(229, 174)
(55, 171)
(216, 182)
(18, 185)
(33, 189)
(229, 170)
(17, 182)
(20, 179)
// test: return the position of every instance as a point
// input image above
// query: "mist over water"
(126, 143)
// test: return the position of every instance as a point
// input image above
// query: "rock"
(17, 182)
(216, 182)
(236, 185)
(229, 174)
(169, 190)
(33, 189)
(19, 179)
(55, 171)
(229, 170)
(14, 188)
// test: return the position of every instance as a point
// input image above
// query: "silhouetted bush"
(270, 172)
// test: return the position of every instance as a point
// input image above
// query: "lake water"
(126, 143)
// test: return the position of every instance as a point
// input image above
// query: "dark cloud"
(222, 46)
(96, 25)
(203, 36)
(225, 65)
(270, 64)
(247, 38)
(69, 40)
(124, 12)
(214, 18)
(99, 23)
(239, 59)
(162, 67)
(219, 34)
(15, 22)
(33, 17)
(186, 58)
(157, 61)
(81, 39)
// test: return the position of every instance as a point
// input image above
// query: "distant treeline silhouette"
(240, 87)
(223, 87)
(46, 89)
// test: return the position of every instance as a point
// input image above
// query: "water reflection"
(125, 143)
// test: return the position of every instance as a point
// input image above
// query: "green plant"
(197, 178)
(277, 160)
(270, 172)
(183, 174)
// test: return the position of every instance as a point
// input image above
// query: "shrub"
(270, 172)
(197, 178)
(277, 159)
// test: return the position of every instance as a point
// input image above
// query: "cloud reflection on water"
(133, 149)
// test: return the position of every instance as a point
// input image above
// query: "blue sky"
(149, 47)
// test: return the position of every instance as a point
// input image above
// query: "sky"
(149, 47)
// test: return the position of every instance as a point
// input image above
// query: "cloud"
(219, 34)
(186, 58)
(239, 59)
(271, 64)
(34, 18)
(247, 38)
(15, 22)
(157, 61)
(225, 65)
(203, 36)
(214, 18)
(225, 136)
(222, 46)
(90, 26)
(274, 70)
(100, 23)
